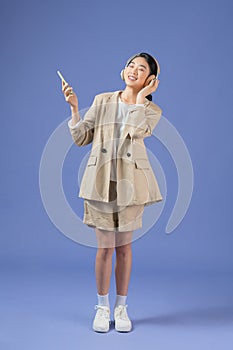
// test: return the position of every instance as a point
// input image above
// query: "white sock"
(103, 300)
(120, 300)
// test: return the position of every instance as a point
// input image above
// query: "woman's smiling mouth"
(132, 77)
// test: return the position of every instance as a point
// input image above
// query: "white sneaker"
(122, 321)
(101, 321)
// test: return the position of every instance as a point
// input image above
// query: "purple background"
(181, 288)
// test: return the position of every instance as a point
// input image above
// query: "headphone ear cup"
(122, 74)
(148, 80)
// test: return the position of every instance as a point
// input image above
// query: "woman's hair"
(151, 62)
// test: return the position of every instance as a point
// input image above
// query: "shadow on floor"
(209, 316)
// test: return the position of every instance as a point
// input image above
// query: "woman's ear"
(148, 80)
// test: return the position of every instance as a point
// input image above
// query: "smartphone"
(61, 76)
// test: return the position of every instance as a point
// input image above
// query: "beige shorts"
(110, 216)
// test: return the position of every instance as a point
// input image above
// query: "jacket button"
(104, 150)
(128, 154)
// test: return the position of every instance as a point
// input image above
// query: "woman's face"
(136, 72)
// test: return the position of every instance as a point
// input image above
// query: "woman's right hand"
(70, 96)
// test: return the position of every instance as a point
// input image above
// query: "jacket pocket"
(92, 160)
(142, 163)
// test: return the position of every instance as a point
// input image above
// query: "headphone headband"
(138, 55)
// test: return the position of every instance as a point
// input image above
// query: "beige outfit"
(118, 180)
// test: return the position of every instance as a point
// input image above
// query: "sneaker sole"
(123, 330)
(100, 330)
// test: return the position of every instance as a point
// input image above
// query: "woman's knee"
(105, 253)
(124, 251)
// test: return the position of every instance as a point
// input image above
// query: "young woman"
(118, 180)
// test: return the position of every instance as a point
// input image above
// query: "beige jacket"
(136, 182)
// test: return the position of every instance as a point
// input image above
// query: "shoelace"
(103, 311)
(121, 312)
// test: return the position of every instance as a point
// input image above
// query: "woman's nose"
(134, 70)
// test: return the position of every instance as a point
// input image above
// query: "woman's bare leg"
(123, 261)
(103, 264)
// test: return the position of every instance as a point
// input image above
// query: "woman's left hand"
(147, 90)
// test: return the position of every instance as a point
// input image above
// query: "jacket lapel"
(110, 113)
